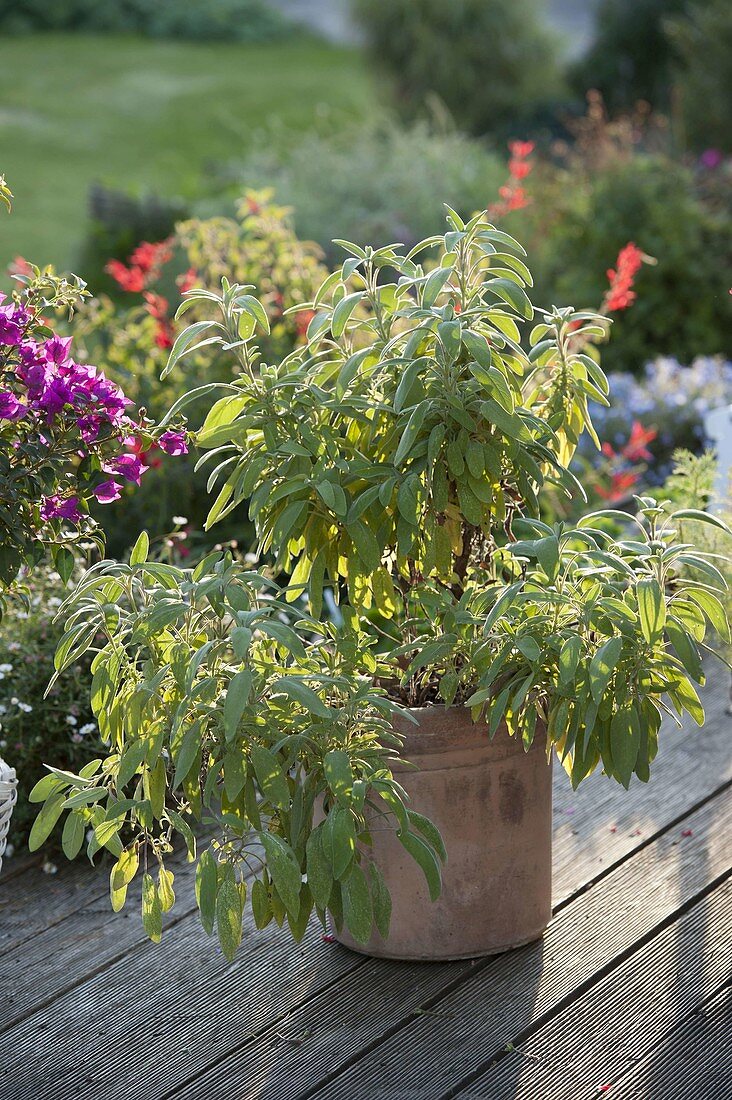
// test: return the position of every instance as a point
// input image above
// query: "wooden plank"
(693, 1061)
(86, 935)
(621, 1020)
(505, 996)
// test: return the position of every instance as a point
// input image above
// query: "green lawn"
(139, 114)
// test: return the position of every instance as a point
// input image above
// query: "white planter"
(8, 796)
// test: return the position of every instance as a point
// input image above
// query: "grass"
(144, 115)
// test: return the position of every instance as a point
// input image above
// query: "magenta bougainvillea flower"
(173, 443)
(67, 436)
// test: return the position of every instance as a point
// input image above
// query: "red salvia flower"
(512, 195)
(621, 279)
(144, 266)
(157, 307)
(636, 449)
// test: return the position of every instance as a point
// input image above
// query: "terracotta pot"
(492, 802)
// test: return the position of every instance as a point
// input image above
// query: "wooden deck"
(627, 995)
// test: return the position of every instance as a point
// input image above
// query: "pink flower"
(130, 466)
(56, 507)
(10, 407)
(173, 443)
(108, 491)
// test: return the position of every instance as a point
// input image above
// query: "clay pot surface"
(492, 803)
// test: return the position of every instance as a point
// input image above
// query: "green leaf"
(206, 890)
(568, 660)
(131, 759)
(380, 900)
(433, 285)
(301, 693)
(602, 666)
(429, 831)
(319, 873)
(165, 889)
(338, 774)
(651, 609)
(513, 294)
(420, 851)
(366, 545)
(152, 913)
(686, 649)
(270, 777)
(72, 837)
(64, 561)
(284, 869)
(140, 550)
(48, 815)
(229, 916)
(184, 343)
(410, 433)
(701, 517)
(624, 743)
(45, 786)
(237, 697)
(186, 752)
(339, 840)
(261, 907)
(343, 311)
(357, 912)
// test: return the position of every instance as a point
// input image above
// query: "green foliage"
(379, 182)
(653, 202)
(35, 727)
(703, 42)
(397, 460)
(240, 20)
(212, 707)
(490, 63)
(258, 246)
(691, 486)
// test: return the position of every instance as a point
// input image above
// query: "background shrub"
(489, 62)
(580, 224)
(60, 727)
(229, 20)
(383, 182)
(703, 43)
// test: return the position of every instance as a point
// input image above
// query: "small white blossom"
(88, 727)
(5, 667)
(179, 521)
(25, 707)
(71, 721)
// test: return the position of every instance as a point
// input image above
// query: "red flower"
(621, 278)
(129, 278)
(157, 307)
(620, 484)
(512, 195)
(144, 266)
(635, 449)
(187, 280)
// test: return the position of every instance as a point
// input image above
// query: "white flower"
(6, 667)
(180, 521)
(89, 727)
(14, 701)
(71, 721)
(3, 708)
(25, 707)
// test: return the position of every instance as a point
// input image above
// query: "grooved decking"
(628, 994)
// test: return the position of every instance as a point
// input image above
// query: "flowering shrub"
(513, 194)
(671, 401)
(133, 340)
(34, 727)
(66, 436)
